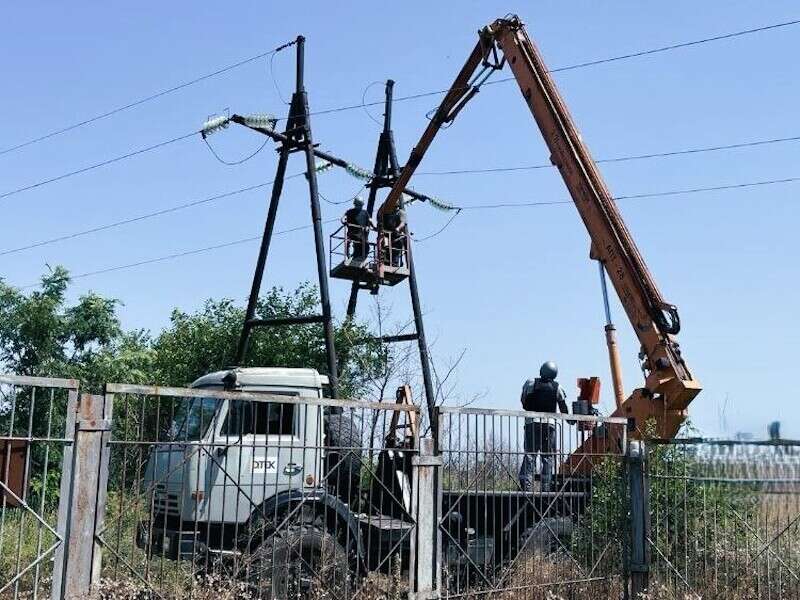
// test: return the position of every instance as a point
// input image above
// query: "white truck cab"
(225, 457)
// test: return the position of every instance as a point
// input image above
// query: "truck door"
(263, 448)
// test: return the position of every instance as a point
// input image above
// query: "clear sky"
(513, 287)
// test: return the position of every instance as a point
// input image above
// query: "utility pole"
(384, 175)
(296, 138)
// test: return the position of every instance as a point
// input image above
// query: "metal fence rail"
(37, 417)
(510, 526)
(282, 495)
(725, 518)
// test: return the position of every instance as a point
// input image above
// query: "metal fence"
(509, 525)
(37, 423)
(725, 518)
(279, 495)
(152, 492)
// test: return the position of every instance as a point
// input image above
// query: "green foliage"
(40, 334)
(683, 500)
(205, 341)
(605, 521)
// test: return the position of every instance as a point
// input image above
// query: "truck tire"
(297, 561)
(343, 457)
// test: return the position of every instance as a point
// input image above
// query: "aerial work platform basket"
(369, 256)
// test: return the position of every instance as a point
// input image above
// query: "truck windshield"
(192, 419)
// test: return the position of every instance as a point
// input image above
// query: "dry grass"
(537, 576)
(208, 587)
(374, 586)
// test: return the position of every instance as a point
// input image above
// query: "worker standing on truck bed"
(543, 394)
(358, 221)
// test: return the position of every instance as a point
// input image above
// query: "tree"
(41, 335)
(206, 341)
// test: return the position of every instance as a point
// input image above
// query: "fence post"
(64, 495)
(425, 558)
(639, 486)
(87, 496)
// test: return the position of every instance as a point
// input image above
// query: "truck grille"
(166, 503)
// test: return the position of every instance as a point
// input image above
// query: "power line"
(362, 105)
(472, 207)
(96, 165)
(233, 163)
(679, 192)
(581, 65)
(617, 159)
(142, 217)
(135, 103)
(175, 255)
(441, 230)
(193, 203)
(399, 99)
(716, 38)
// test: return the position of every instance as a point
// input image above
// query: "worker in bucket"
(358, 221)
(543, 394)
(395, 227)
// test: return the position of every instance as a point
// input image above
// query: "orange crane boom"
(669, 386)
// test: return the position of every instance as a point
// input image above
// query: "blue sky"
(513, 287)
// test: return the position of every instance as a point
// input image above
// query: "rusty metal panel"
(13, 474)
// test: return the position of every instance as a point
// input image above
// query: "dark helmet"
(358, 202)
(548, 371)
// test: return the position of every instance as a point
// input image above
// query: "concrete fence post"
(86, 507)
(425, 562)
(639, 485)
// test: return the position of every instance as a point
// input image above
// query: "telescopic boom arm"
(669, 385)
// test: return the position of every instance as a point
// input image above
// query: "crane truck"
(335, 524)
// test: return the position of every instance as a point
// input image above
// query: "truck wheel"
(343, 460)
(297, 561)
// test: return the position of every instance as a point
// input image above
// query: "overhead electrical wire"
(149, 215)
(680, 192)
(618, 159)
(175, 255)
(96, 165)
(143, 100)
(441, 230)
(363, 105)
(457, 209)
(463, 208)
(580, 65)
(141, 217)
(233, 163)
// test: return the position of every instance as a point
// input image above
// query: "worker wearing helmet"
(395, 227)
(358, 221)
(543, 394)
